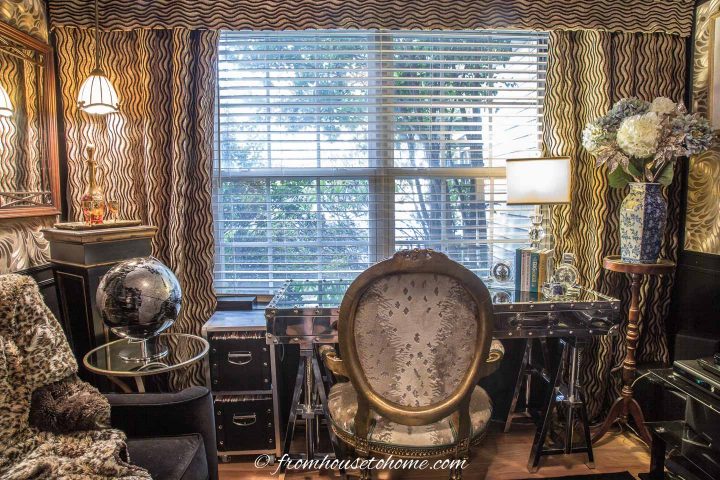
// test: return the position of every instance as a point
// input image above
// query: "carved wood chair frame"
(457, 403)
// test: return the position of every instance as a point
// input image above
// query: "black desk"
(306, 313)
(688, 440)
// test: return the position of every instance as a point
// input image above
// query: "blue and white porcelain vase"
(643, 214)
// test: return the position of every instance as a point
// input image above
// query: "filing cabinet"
(239, 361)
(245, 422)
(242, 376)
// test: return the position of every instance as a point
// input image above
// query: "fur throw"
(51, 423)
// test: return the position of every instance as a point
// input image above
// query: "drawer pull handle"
(239, 358)
(244, 420)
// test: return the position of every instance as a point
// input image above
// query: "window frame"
(381, 174)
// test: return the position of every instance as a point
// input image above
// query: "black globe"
(139, 298)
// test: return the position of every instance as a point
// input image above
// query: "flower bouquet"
(640, 142)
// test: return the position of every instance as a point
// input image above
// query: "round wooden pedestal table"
(626, 406)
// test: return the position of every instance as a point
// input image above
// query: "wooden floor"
(501, 456)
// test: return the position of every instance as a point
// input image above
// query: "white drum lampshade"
(6, 108)
(538, 181)
(535, 181)
(97, 95)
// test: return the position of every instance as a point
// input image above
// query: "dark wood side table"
(626, 405)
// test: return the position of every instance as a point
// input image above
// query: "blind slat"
(335, 148)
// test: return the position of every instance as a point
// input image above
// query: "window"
(336, 148)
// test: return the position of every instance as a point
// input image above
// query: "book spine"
(542, 268)
(525, 285)
(550, 264)
(534, 270)
(518, 268)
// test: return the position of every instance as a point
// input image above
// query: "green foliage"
(666, 176)
(618, 178)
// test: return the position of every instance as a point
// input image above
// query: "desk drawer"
(244, 422)
(239, 361)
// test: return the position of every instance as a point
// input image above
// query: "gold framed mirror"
(29, 177)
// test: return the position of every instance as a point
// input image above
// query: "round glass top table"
(111, 359)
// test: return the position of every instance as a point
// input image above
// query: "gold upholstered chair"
(415, 337)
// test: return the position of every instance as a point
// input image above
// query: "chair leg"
(366, 474)
(456, 473)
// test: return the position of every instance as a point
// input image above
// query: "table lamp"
(538, 181)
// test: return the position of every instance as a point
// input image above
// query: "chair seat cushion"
(179, 457)
(342, 405)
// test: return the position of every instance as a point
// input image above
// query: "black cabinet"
(245, 384)
(79, 260)
(245, 422)
(685, 427)
(239, 361)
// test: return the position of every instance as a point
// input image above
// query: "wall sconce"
(6, 108)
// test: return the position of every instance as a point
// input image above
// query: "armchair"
(53, 425)
(415, 335)
(172, 435)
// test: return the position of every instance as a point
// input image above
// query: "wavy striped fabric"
(668, 16)
(155, 155)
(587, 72)
(20, 168)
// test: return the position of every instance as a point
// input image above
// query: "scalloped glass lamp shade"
(97, 95)
(6, 108)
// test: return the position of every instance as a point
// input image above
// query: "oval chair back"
(414, 332)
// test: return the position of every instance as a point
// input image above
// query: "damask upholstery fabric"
(342, 405)
(34, 354)
(588, 71)
(155, 154)
(415, 335)
(672, 16)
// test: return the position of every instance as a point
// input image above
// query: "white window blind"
(336, 148)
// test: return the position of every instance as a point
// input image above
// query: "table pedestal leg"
(626, 406)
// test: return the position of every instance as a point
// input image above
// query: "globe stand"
(144, 351)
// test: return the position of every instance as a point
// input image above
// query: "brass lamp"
(6, 108)
(538, 181)
(97, 95)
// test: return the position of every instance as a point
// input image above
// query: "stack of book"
(533, 267)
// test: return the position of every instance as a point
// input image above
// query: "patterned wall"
(702, 219)
(21, 243)
(26, 15)
(669, 16)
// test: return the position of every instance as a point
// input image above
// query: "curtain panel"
(155, 155)
(669, 16)
(588, 71)
(161, 55)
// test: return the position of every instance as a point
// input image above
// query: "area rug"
(596, 476)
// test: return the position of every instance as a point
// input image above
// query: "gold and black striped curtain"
(158, 149)
(588, 71)
(155, 155)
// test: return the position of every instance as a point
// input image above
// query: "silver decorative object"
(138, 299)
(501, 272)
(566, 273)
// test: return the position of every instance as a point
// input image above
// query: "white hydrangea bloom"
(638, 135)
(591, 137)
(662, 105)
